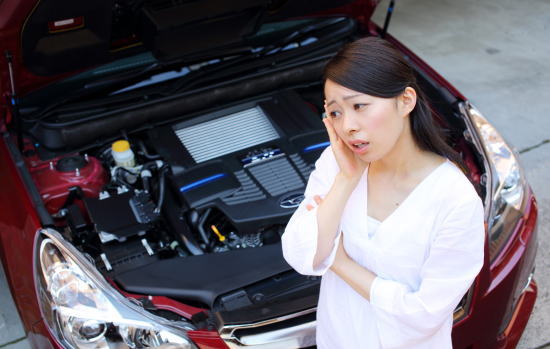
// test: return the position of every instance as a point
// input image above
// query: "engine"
(221, 181)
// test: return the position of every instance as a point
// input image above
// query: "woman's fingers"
(348, 162)
(331, 132)
(317, 199)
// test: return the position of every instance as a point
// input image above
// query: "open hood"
(52, 39)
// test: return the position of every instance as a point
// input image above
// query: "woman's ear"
(407, 101)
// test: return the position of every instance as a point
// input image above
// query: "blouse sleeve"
(299, 240)
(455, 258)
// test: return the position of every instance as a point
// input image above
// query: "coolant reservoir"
(122, 154)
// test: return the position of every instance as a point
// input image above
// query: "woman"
(391, 223)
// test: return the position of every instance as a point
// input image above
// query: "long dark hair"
(373, 66)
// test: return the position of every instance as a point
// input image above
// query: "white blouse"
(426, 255)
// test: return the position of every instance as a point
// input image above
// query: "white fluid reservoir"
(122, 154)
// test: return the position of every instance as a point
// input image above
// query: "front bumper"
(511, 335)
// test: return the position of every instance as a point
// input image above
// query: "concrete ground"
(497, 53)
(12, 335)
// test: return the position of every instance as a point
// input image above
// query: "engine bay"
(186, 194)
(192, 209)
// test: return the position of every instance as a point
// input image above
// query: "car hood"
(50, 40)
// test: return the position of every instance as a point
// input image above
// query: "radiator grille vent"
(227, 134)
(277, 176)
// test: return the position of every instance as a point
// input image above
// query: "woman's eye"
(334, 114)
(359, 106)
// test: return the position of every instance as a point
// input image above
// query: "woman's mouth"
(359, 147)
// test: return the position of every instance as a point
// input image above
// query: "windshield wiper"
(93, 87)
(262, 58)
(110, 83)
(189, 80)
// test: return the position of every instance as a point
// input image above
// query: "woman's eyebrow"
(344, 98)
(352, 96)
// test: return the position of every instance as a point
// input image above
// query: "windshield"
(131, 76)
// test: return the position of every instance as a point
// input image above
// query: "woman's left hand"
(317, 200)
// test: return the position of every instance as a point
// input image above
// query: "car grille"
(290, 331)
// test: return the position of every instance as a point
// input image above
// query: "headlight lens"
(84, 311)
(507, 184)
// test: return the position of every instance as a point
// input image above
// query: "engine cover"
(251, 161)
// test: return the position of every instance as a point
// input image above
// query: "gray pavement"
(12, 335)
(497, 53)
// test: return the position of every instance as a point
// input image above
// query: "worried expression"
(369, 126)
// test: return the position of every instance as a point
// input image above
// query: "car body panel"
(18, 227)
(511, 292)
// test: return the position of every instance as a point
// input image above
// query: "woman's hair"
(373, 66)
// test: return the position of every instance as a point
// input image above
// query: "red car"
(152, 152)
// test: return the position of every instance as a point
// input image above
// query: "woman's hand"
(351, 166)
(318, 201)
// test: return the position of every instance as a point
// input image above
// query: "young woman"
(389, 220)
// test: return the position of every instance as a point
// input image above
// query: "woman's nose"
(350, 124)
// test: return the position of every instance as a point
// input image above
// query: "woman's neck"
(404, 158)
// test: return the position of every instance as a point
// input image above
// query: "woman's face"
(369, 126)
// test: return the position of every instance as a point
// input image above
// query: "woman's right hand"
(351, 166)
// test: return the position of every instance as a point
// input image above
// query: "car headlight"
(83, 311)
(506, 184)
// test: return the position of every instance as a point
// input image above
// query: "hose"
(162, 185)
(200, 227)
(145, 153)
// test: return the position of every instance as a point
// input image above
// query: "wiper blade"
(120, 78)
(261, 59)
(189, 80)
(108, 83)
(94, 87)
